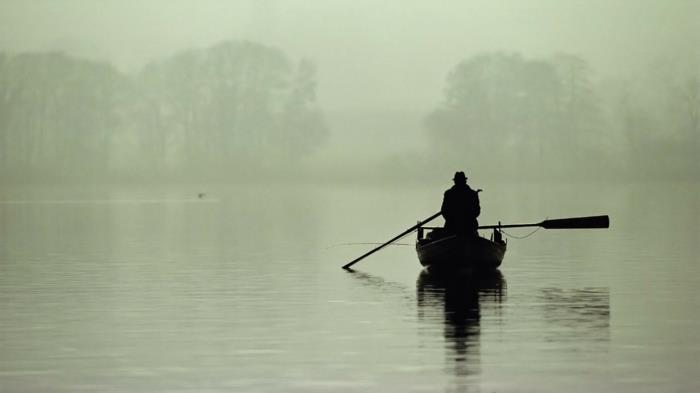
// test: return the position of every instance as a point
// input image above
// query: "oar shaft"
(404, 233)
(510, 226)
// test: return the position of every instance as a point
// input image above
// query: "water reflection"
(458, 302)
(579, 314)
(378, 283)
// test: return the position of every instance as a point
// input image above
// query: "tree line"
(233, 108)
(517, 117)
(241, 109)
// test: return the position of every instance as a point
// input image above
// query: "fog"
(348, 90)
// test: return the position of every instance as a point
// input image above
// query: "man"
(460, 207)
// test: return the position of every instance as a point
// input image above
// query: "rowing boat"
(441, 250)
(460, 252)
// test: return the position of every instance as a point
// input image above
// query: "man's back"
(460, 208)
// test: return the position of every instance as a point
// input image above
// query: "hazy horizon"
(383, 45)
(372, 58)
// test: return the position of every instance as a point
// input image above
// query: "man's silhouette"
(460, 207)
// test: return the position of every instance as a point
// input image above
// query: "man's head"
(460, 178)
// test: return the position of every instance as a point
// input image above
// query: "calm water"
(114, 290)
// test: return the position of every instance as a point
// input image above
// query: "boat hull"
(461, 252)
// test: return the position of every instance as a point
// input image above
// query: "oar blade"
(577, 223)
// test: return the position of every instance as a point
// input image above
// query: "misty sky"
(388, 55)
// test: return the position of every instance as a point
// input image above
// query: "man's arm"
(447, 207)
(476, 206)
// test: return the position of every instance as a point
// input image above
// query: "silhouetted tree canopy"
(545, 117)
(57, 112)
(233, 107)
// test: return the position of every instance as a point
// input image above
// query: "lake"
(106, 289)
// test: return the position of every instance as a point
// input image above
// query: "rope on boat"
(390, 244)
(406, 244)
(521, 237)
(367, 243)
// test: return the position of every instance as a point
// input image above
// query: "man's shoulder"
(457, 188)
(453, 190)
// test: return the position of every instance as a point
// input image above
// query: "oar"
(397, 237)
(562, 223)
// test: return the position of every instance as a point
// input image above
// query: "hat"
(459, 176)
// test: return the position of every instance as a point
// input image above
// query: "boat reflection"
(458, 301)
